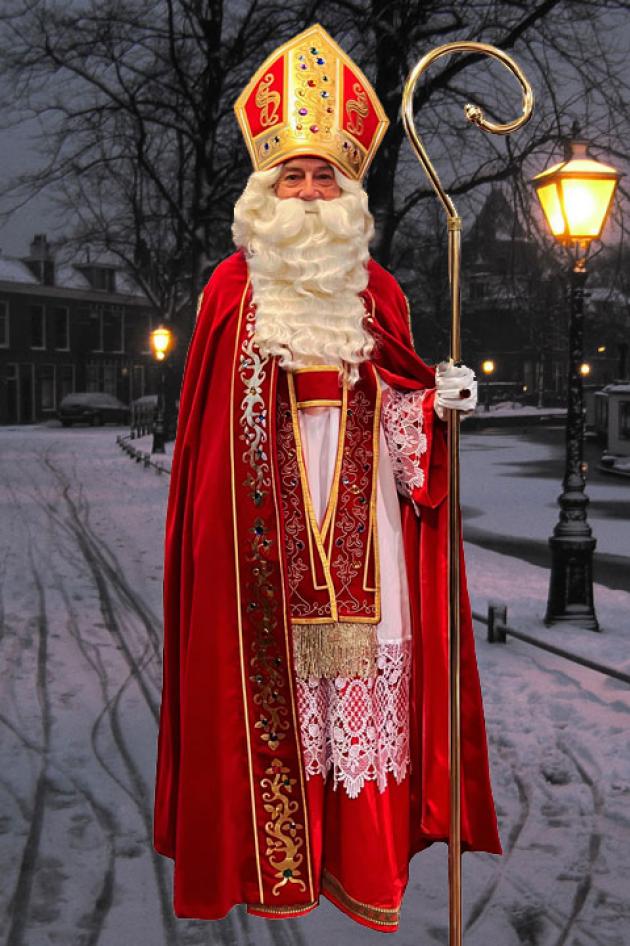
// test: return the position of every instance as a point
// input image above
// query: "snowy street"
(80, 645)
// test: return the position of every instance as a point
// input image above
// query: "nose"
(309, 190)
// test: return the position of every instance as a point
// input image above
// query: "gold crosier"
(475, 115)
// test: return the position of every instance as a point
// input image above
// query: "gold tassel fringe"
(341, 649)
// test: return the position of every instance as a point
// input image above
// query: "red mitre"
(309, 98)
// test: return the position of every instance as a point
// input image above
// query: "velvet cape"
(229, 795)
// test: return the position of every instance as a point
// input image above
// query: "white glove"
(451, 382)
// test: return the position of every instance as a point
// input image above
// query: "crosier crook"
(475, 115)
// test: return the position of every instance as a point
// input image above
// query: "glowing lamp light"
(161, 340)
(576, 195)
(585, 369)
(487, 366)
(601, 349)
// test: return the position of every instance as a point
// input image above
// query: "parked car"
(92, 407)
(147, 400)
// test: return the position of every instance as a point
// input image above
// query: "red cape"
(209, 808)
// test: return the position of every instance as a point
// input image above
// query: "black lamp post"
(487, 367)
(576, 196)
(161, 344)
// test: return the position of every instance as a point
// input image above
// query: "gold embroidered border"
(293, 909)
(313, 533)
(283, 845)
(238, 597)
(382, 916)
(373, 529)
(331, 509)
(320, 403)
(287, 641)
(315, 368)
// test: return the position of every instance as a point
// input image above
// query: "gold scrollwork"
(282, 842)
(357, 109)
(267, 101)
(267, 665)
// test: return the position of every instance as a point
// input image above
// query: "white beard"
(308, 263)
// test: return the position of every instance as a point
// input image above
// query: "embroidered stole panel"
(277, 785)
(333, 568)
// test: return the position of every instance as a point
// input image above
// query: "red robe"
(231, 796)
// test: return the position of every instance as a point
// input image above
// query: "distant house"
(66, 327)
(517, 311)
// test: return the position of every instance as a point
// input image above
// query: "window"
(38, 330)
(96, 329)
(103, 279)
(137, 381)
(92, 378)
(102, 378)
(66, 380)
(4, 324)
(113, 329)
(46, 387)
(624, 420)
(61, 328)
(109, 379)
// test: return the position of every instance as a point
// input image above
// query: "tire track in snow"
(20, 900)
(585, 883)
(563, 924)
(106, 557)
(484, 900)
(35, 819)
(137, 791)
(96, 555)
(95, 918)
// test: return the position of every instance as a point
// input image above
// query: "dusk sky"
(17, 151)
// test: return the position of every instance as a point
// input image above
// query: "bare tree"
(140, 145)
(573, 52)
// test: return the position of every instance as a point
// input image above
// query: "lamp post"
(487, 367)
(161, 340)
(576, 196)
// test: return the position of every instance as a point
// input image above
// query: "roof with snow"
(14, 270)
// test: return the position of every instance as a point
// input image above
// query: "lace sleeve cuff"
(403, 423)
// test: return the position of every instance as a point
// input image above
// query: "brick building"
(69, 327)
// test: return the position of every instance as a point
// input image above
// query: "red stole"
(332, 569)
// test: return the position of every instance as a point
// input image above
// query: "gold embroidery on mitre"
(301, 110)
(268, 102)
(282, 842)
(356, 110)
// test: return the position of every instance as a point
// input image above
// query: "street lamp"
(487, 367)
(576, 196)
(161, 340)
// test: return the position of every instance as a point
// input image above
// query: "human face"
(308, 179)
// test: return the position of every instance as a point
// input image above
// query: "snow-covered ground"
(504, 491)
(81, 584)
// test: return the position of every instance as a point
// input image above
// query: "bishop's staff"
(475, 115)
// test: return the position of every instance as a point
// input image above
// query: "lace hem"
(404, 431)
(358, 728)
